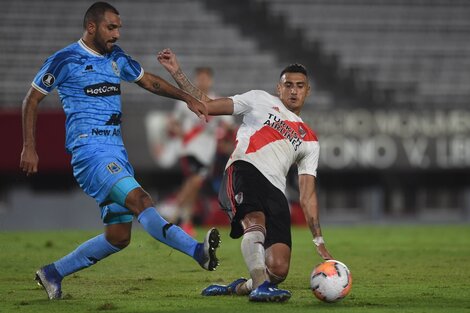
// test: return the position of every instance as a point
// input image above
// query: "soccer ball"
(331, 281)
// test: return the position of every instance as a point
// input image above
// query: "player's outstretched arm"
(168, 60)
(161, 87)
(309, 204)
(29, 158)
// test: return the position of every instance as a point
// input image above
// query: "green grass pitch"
(394, 268)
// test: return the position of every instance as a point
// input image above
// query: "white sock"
(245, 288)
(253, 252)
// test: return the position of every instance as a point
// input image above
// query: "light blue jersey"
(89, 88)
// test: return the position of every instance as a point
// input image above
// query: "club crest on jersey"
(277, 109)
(302, 131)
(239, 197)
(113, 168)
(115, 68)
(48, 79)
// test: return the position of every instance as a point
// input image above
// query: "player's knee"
(138, 200)
(277, 271)
(119, 241)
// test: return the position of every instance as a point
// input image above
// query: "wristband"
(318, 241)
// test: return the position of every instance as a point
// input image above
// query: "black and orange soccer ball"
(331, 281)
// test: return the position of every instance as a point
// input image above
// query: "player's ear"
(278, 89)
(91, 28)
(309, 90)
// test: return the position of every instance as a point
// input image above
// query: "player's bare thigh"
(253, 218)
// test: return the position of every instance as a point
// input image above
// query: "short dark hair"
(204, 69)
(294, 68)
(96, 12)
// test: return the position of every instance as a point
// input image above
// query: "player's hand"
(168, 59)
(29, 161)
(199, 108)
(323, 252)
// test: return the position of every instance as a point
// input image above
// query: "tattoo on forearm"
(184, 83)
(315, 226)
(156, 86)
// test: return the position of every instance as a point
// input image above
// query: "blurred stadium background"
(390, 101)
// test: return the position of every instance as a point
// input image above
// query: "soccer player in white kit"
(272, 137)
(199, 143)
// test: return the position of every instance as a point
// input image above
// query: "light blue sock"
(167, 233)
(87, 254)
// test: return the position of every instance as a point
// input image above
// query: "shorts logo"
(115, 68)
(48, 79)
(239, 197)
(113, 168)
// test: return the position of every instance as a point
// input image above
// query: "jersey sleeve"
(130, 69)
(243, 103)
(52, 73)
(308, 163)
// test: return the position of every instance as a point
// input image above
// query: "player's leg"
(238, 197)
(252, 247)
(141, 204)
(116, 237)
(278, 262)
(243, 195)
(195, 173)
(267, 267)
(186, 200)
(119, 235)
(277, 244)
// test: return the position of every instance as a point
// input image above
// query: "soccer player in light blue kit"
(87, 75)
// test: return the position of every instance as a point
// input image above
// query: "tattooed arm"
(161, 87)
(168, 59)
(309, 204)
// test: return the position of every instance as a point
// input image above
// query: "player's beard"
(103, 45)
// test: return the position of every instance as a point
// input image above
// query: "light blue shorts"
(105, 174)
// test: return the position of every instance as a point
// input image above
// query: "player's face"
(292, 89)
(107, 32)
(204, 81)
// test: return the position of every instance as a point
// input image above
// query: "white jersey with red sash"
(272, 138)
(199, 138)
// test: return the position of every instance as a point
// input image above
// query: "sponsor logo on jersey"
(113, 168)
(105, 132)
(89, 68)
(285, 130)
(239, 197)
(48, 79)
(115, 68)
(103, 90)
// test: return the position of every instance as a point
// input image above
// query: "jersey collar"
(88, 49)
